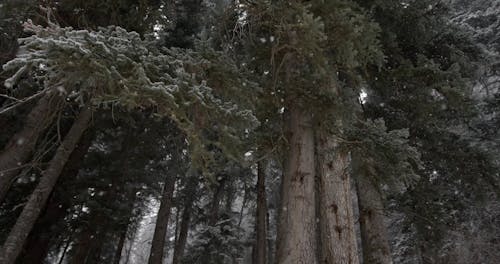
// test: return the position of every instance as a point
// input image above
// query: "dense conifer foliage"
(249, 131)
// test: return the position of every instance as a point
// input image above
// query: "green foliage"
(389, 156)
(217, 244)
(113, 66)
(304, 46)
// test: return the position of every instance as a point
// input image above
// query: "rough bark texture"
(338, 236)
(17, 236)
(297, 243)
(260, 226)
(19, 148)
(158, 243)
(180, 244)
(374, 238)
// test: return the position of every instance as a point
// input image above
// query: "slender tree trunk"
(260, 227)
(119, 247)
(82, 246)
(17, 237)
(297, 241)
(375, 242)
(180, 244)
(19, 148)
(183, 233)
(338, 236)
(215, 205)
(65, 250)
(158, 244)
(38, 243)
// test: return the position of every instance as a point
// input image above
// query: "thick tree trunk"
(338, 236)
(19, 148)
(260, 226)
(297, 240)
(17, 237)
(375, 242)
(158, 243)
(180, 244)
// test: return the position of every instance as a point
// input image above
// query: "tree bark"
(297, 243)
(19, 148)
(38, 243)
(338, 236)
(158, 243)
(374, 238)
(180, 244)
(17, 236)
(260, 227)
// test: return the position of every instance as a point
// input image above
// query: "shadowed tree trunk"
(158, 243)
(297, 240)
(119, 247)
(180, 244)
(260, 226)
(21, 145)
(215, 204)
(24, 224)
(82, 247)
(38, 244)
(374, 238)
(338, 236)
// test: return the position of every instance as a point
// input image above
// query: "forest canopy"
(249, 131)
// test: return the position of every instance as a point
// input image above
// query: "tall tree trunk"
(215, 204)
(119, 247)
(374, 238)
(17, 236)
(65, 250)
(297, 243)
(82, 246)
(158, 244)
(180, 244)
(260, 226)
(38, 244)
(338, 235)
(19, 148)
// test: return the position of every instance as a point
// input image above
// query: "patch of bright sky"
(362, 96)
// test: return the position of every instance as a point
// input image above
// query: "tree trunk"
(65, 250)
(38, 243)
(338, 236)
(260, 227)
(297, 243)
(374, 238)
(119, 247)
(180, 244)
(82, 246)
(19, 148)
(17, 236)
(158, 243)
(215, 204)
